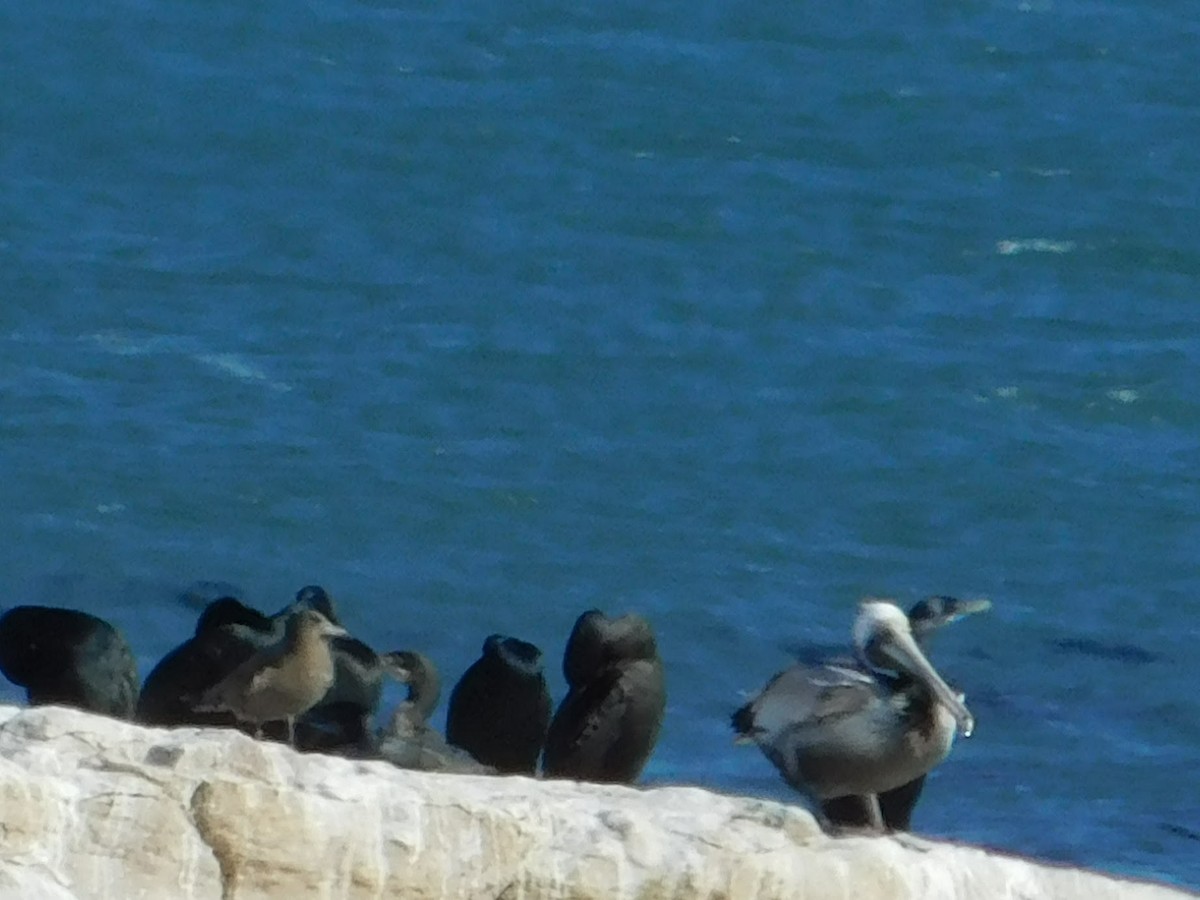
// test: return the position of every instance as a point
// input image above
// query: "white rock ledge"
(96, 808)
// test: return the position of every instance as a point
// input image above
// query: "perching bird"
(896, 806)
(341, 721)
(835, 730)
(69, 658)
(282, 681)
(500, 709)
(606, 727)
(227, 634)
(408, 740)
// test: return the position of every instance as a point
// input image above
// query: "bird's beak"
(954, 609)
(907, 656)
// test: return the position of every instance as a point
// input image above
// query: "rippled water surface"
(484, 314)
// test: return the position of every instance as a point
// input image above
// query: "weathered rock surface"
(96, 808)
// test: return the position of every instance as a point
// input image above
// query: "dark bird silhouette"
(408, 740)
(500, 709)
(227, 634)
(69, 658)
(607, 726)
(840, 730)
(315, 597)
(281, 681)
(896, 806)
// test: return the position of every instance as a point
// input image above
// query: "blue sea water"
(484, 314)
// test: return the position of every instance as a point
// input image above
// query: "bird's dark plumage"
(895, 806)
(313, 596)
(69, 658)
(607, 726)
(227, 634)
(500, 709)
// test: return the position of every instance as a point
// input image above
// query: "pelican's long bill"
(885, 628)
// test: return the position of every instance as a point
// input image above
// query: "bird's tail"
(742, 722)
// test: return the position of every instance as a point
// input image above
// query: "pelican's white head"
(878, 618)
(883, 639)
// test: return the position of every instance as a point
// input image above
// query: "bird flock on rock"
(855, 736)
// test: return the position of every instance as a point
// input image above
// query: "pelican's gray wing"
(804, 695)
(842, 692)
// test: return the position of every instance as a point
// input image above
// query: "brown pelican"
(896, 806)
(836, 730)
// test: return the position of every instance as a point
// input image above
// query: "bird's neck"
(423, 696)
(314, 650)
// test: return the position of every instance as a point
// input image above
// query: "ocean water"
(481, 315)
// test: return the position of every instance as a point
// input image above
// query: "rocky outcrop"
(96, 808)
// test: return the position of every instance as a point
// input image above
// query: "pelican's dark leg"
(897, 804)
(873, 813)
(851, 811)
(851, 815)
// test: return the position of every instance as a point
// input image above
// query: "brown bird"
(281, 681)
